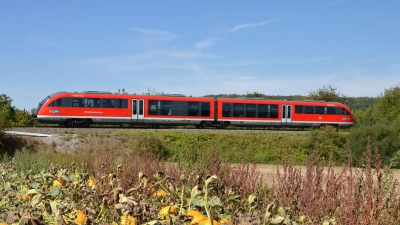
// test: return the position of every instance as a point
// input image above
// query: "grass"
(367, 195)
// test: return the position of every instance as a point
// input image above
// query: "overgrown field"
(120, 177)
(233, 146)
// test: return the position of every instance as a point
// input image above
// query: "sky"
(198, 47)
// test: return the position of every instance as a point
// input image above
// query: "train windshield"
(41, 103)
(45, 100)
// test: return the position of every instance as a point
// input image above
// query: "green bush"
(25, 161)
(381, 136)
(329, 142)
(3, 126)
(22, 118)
(150, 142)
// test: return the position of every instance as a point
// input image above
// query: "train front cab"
(319, 113)
(282, 113)
(83, 109)
(47, 114)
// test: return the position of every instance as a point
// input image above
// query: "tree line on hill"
(326, 93)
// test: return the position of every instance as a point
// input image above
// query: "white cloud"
(181, 60)
(395, 66)
(157, 33)
(246, 78)
(188, 54)
(248, 25)
(206, 43)
(198, 70)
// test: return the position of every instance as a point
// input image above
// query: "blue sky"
(198, 47)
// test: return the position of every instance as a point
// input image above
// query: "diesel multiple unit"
(96, 107)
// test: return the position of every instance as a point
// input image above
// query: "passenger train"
(96, 107)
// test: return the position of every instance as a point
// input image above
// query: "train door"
(286, 115)
(137, 110)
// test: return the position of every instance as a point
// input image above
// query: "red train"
(94, 107)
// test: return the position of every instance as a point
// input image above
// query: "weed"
(352, 196)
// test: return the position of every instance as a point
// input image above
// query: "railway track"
(48, 130)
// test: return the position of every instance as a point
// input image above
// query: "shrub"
(349, 196)
(3, 126)
(329, 142)
(22, 118)
(381, 136)
(150, 142)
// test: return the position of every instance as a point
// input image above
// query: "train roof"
(182, 95)
(123, 93)
(280, 100)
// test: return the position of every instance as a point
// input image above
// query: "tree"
(387, 107)
(381, 136)
(380, 123)
(9, 115)
(254, 95)
(21, 118)
(7, 112)
(6, 117)
(328, 94)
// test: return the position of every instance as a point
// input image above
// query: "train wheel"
(68, 123)
(87, 123)
(224, 125)
(203, 124)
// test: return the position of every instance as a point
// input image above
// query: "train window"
(140, 107)
(331, 110)
(345, 112)
(61, 102)
(134, 108)
(298, 109)
(262, 111)
(96, 102)
(227, 109)
(89, 102)
(104, 103)
(250, 110)
(238, 109)
(309, 109)
(77, 102)
(273, 111)
(193, 108)
(166, 108)
(122, 103)
(153, 107)
(320, 110)
(108, 103)
(205, 108)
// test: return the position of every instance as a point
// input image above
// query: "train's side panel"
(199, 111)
(117, 109)
(242, 112)
(311, 119)
(101, 108)
(167, 110)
